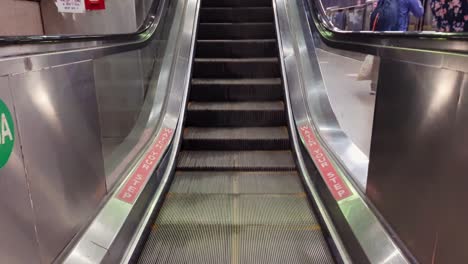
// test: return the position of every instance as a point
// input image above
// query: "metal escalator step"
(232, 114)
(235, 3)
(242, 138)
(283, 245)
(259, 30)
(273, 160)
(236, 68)
(236, 89)
(237, 182)
(247, 48)
(238, 14)
(198, 245)
(267, 211)
(174, 244)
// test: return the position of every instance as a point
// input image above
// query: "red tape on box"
(137, 181)
(334, 182)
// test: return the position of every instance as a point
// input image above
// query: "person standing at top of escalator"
(405, 7)
(385, 16)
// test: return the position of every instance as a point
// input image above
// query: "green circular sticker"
(7, 134)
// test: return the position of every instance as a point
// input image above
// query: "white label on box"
(70, 6)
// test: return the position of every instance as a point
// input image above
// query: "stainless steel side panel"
(418, 158)
(57, 110)
(117, 217)
(18, 242)
(454, 216)
(120, 88)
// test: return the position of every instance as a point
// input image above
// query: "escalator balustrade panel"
(236, 196)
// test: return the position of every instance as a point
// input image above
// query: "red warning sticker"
(335, 183)
(95, 4)
(137, 181)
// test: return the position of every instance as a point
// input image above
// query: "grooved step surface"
(256, 81)
(247, 133)
(237, 106)
(282, 245)
(236, 229)
(236, 90)
(236, 114)
(236, 48)
(236, 31)
(236, 3)
(288, 210)
(203, 244)
(235, 182)
(236, 68)
(241, 138)
(238, 14)
(236, 160)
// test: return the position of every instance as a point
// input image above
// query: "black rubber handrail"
(370, 42)
(54, 39)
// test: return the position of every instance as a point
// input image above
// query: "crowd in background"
(399, 15)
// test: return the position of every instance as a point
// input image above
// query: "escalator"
(236, 196)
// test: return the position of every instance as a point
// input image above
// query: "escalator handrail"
(148, 24)
(371, 42)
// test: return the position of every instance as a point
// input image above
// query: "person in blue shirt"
(406, 6)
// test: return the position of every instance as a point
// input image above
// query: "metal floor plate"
(231, 244)
(236, 228)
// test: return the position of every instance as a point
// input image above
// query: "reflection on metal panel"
(18, 243)
(120, 88)
(414, 120)
(58, 124)
(452, 233)
(120, 92)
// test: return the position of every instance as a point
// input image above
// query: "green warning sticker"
(7, 134)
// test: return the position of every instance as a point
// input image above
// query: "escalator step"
(236, 160)
(237, 182)
(236, 31)
(231, 114)
(291, 245)
(235, 244)
(236, 68)
(239, 14)
(248, 48)
(242, 138)
(288, 211)
(236, 3)
(236, 89)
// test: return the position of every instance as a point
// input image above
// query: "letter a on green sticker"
(7, 134)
